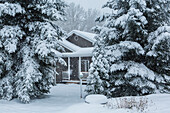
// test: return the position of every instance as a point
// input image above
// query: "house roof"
(72, 47)
(83, 52)
(88, 36)
(76, 50)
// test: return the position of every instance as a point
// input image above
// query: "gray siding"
(79, 41)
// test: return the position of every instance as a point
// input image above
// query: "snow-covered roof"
(82, 52)
(76, 50)
(88, 36)
(68, 45)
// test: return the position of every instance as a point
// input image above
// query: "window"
(76, 38)
(85, 65)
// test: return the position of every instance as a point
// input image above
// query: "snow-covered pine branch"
(10, 36)
(158, 50)
(10, 9)
(51, 8)
(162, 34)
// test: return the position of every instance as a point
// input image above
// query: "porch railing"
(65, 75)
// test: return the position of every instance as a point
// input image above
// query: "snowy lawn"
(66, 99)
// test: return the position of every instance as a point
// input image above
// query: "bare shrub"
(140, 104)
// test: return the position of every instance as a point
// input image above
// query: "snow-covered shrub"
(27, 38)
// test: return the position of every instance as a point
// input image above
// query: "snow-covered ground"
(66, 99)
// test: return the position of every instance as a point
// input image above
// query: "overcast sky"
(95, 4)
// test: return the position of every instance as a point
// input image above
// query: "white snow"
(49, 9)
(96, 99)
(42, 48)
(81, 52)
(10, 9)
(158, 38)
(162, 37)
(76, 50)
(156, 33)
(10, 35)
(11, 31)
(10, 45)
(66, 99)
(133, 45)
(68, 45)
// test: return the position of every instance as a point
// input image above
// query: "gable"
(79, 41)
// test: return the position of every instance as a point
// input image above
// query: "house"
(78, 47)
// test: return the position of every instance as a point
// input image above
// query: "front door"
(74, 68)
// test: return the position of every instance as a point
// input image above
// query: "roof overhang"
(82, 52)
(68, 45)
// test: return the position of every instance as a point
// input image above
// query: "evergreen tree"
(99, 66)
(125, 37)
(27, 40)
(158, 53)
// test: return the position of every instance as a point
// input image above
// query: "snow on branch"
(133, 45)
(142, 70)
(158, 38)
(10, 9)
(139, 15)
(11, 32)
(134, 69)
(52, 8)
(109, 33)
(142, 3)
(122, 20)
(45, 40)
(45, 28)
(42, 48)
(133, 14)
(10, 45)
(48, 35)
(115, 52)
(6, 86)
(161, 37)
(10, 36)
(153, 36)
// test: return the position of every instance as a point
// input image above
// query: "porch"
(71, 72)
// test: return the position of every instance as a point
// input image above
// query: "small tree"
(99, 66)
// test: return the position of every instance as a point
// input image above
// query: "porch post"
(80, 77)
(69, 68)
(79, 65)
